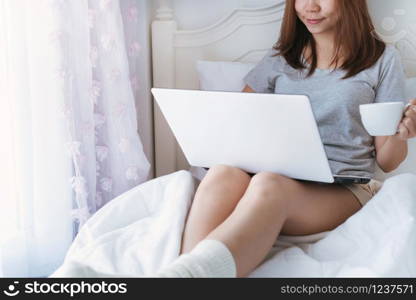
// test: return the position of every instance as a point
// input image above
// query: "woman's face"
(319, 16)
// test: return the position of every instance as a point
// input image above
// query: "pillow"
(222, 76)
(228, 77)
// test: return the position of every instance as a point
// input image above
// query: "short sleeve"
(392, 79)
(259, 78)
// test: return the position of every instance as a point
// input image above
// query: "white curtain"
(68, 123)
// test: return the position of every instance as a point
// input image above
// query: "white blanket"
(140, 231)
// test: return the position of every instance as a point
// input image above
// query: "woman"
(327, 49)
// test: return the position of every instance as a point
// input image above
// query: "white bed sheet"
(140, 231)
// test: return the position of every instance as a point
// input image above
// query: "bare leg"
(215, 199)
(273, 202)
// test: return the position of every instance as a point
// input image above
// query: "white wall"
(390, 15)
(194, 14)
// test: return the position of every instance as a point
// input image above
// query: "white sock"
(209, 258)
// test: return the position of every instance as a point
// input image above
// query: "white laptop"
(252, 131)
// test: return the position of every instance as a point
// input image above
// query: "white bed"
(140, 231)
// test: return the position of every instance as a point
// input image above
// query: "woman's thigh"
(314, 207)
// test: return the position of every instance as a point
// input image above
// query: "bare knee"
(228, 175)
(225, 180)
(270, 189)
(269, 184)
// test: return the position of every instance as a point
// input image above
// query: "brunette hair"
(355, 35)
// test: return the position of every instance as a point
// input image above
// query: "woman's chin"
(318, 30)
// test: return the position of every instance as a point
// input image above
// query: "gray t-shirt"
(335, 103)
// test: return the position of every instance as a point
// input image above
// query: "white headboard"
(244, 35)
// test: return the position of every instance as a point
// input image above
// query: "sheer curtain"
(67, 123)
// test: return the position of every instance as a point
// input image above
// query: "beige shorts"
(364, 192)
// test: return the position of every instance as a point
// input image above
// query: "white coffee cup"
(382, 119)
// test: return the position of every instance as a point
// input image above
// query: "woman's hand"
(407, 126)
